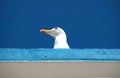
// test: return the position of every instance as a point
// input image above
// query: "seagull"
(59, 35)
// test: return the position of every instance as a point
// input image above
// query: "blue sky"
(88, 23)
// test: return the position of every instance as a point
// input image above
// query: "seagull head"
(54, 32)
(59, 35)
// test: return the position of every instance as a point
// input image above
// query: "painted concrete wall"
(76, 55)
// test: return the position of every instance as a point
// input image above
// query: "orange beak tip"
(43, 31)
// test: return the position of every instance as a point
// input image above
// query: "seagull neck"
(61, 41)
(60, 38)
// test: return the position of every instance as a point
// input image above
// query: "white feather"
(60, 38)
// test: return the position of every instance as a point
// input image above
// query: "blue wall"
(88, 23)
(7, 55)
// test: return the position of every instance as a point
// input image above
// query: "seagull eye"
(56, 28)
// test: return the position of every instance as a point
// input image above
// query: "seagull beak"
(45, 31)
